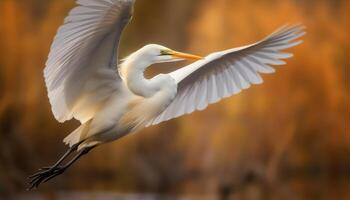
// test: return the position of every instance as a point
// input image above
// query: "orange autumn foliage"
(296, 121)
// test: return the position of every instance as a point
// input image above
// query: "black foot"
(44, 175)
(47, 173)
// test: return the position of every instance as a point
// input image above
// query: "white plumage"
(85, 44)
(83, 82)
(223, 74)
(82, 79)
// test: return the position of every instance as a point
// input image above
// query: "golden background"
(286, 139)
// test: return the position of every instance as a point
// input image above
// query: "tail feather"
(77, 135)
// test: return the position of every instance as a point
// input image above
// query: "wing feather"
(223, 74)
(85, 44)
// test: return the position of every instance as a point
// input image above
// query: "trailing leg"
(47, 173)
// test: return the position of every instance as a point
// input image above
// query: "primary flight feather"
(84, 80)
(87, 43)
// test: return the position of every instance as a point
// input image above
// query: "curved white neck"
(132, 71)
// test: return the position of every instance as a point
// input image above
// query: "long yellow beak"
(185, 55)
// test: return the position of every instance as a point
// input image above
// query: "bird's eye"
(165, 53)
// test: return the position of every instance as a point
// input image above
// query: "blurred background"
(286, 139)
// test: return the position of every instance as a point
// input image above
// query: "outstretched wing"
(84, 46)
(223, 74)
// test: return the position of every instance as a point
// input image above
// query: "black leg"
(45, 174)
(68, 152)
(70, 163)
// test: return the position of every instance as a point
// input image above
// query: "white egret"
(85, 83)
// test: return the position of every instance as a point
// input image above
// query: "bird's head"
(152, 54)
(159, 54)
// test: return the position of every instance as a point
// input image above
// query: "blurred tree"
(288, 138)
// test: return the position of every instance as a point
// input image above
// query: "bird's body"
(110, 109)
(84, 81)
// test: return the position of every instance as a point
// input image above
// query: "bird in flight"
(85, 82)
